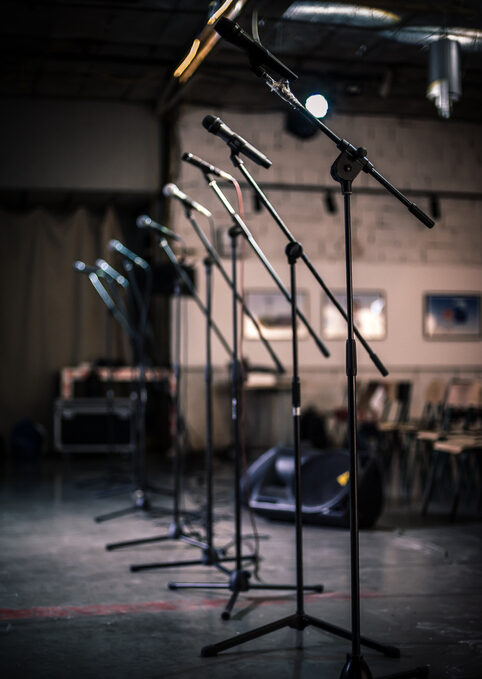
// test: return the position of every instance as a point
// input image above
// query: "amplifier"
(100, 425)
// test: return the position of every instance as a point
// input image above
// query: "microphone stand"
(211, 556)
(111, 476)
(141, 499)
(344, 170)
(298, 620)
(239, 579)
(245, 231)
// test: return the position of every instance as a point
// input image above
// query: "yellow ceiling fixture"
(206, 40)
(218, 13)
(188, 59)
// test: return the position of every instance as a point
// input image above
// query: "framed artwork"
(452, 316)
(273, 313)
(369, 315)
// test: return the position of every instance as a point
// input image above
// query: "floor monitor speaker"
(268, 486)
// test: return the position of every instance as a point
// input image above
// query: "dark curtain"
(51, 316)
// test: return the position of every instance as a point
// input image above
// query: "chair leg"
(461, 473)
(427, 496)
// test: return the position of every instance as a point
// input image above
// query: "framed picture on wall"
(369, 315)
(273, 313)
(452, 316)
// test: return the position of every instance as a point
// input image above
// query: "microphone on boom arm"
(206, 167)
(258, 55)
(173, 191)
(234, 141)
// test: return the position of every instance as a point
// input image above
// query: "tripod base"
(297, 621)
(141, 504)
(175, 532)
(210, 557)
(357, 668)
(239, 581)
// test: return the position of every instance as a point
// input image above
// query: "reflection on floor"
(70, 608)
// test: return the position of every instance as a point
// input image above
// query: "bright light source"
(317, 105)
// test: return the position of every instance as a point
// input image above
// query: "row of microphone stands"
(132, 316)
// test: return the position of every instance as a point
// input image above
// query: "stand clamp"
(348, 166)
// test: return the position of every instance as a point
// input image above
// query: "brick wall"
(392, 251)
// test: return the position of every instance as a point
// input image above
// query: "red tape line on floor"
(42, 612)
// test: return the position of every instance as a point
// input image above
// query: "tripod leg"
(167, 564)
(115, 515)
(214, 649)
(130, 543)
(389, 651)
(226, 614)
(306, 588)
(421, 672)
(197, 585)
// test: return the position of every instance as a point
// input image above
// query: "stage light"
(444, 78)
(317, 105)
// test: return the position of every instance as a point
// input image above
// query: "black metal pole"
(234, 232)
(293, 251)
(355, 666)
(344, 170)
(208, 378)
(176, 403)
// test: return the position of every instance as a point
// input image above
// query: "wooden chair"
(390, 428)
(415, 433)
(456, 450)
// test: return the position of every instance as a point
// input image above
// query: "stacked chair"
(391, 427)
(416, 438)
(455, 449)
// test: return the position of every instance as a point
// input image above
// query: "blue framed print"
(452, 316)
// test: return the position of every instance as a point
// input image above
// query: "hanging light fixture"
(444, 78)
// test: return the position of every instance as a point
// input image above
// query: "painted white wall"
(78, 145)
(404, 287)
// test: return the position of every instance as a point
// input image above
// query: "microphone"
(258, 55)
(145, 222)
(110, 271)
(115, 244)
(172, 190)
(82, 267)
(234, 141)
(206, 167)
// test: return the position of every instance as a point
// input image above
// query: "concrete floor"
(71, 609)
